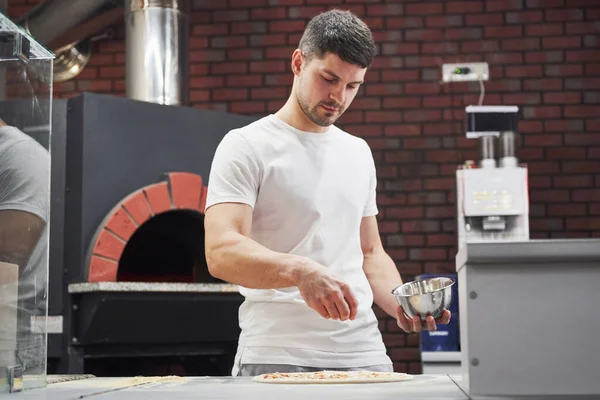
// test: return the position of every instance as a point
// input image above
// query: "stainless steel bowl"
(425, 297)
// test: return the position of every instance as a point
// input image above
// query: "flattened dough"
(331, 377)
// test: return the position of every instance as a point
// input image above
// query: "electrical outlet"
(465, 72)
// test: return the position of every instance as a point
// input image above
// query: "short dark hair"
(341, 33)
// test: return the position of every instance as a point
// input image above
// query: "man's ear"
(297, 61)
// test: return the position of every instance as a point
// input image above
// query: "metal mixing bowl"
(425, 297)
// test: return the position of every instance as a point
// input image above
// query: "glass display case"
(25, 134)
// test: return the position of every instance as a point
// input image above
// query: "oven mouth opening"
(168, 247)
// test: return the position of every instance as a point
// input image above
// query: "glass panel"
(25, 133)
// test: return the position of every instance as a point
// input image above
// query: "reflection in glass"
(25, 127)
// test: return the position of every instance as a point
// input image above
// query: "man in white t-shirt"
(291, 218)
(24, 215)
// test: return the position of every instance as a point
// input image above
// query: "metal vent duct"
(66, 27)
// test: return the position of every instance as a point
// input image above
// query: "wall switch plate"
(465, 72)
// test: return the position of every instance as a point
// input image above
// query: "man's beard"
(313, 113)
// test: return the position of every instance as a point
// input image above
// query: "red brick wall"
(544, 57)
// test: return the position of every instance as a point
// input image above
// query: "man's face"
(326, 87)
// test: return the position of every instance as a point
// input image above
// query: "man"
(24, 198)
(291, 218)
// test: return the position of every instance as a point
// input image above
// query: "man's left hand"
(417, 325)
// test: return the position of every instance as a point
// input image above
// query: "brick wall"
(544, 57)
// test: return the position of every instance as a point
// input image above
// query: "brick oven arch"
(178, 191)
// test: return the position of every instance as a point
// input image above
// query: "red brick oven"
(178, 191)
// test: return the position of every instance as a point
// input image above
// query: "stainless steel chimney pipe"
(156, 55)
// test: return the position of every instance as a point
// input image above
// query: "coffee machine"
(492, 195)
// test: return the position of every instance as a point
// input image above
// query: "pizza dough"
(329, 377)
(150, 379)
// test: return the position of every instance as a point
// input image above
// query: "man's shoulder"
(259, 136)
(253, 128)
(352, 139)
(247, 140)
(20, 148)
(9, 136)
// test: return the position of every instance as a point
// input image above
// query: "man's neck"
(2, 123)
(292, 114)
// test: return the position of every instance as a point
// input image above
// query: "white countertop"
(423, 387)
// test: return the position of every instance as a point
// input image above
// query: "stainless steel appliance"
(492, 195)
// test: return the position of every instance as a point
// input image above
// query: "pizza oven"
(153, 235)
(128, 276)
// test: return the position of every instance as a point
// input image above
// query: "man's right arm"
(233, 257)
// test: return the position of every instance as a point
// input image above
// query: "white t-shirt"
(309, 192)
(24, 186)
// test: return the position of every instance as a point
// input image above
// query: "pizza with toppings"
(332, 377)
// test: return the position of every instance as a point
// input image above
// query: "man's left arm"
(383, 276)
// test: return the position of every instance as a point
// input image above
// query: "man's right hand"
(328, 296)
